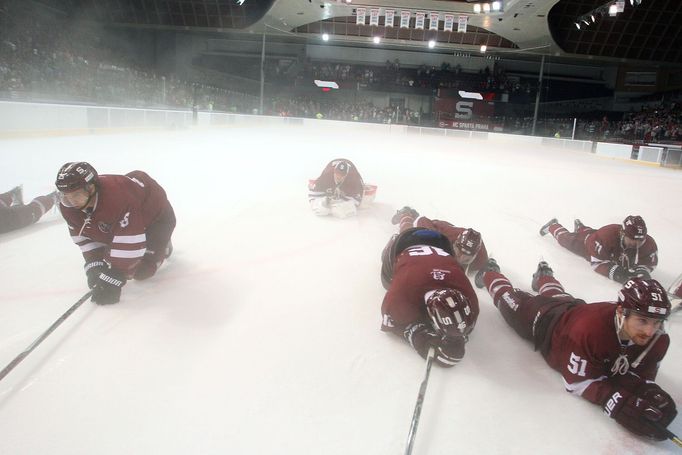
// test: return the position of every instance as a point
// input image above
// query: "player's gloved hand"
(638, 415)
(654, 394)
(402, 213)
(620, 274)
(640, 271)
(450, 351)
(107, 290)
(92, 271)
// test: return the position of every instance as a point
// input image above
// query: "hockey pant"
(574, 242)
(520, 309)
(159, 245)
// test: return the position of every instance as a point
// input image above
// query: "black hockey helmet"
(74, 176)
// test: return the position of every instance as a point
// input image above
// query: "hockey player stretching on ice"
(619, 252)
(14, 214)
(122, 224)
(430, 301)
(338, 190)
(607, 352)
(467, 244)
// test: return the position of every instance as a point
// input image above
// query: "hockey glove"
(654, 394)
(92, 271)
(107, 290)
(640, 271)
(638, 415)
(450, 351)
(619, 273)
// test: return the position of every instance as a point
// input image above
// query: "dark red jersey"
(452, 232)
(352, 186)
(114, 229)
(585, 347)
(418, 270)
(604, 250)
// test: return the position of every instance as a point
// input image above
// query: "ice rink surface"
(260, 335)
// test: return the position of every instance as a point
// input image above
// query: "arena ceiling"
(646, 30)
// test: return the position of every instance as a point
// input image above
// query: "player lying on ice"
(122, 224)
(14, 214)
(429, 300)
(467, 244)
(619, 252)
(607, 352)
(337, 191)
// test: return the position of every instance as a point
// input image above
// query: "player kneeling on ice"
(467, 244)
(339, 190)
(429, 300)
(619, 252)
(607, 352)
(122, 224)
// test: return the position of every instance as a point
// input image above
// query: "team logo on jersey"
(439, 274)
(104, 227)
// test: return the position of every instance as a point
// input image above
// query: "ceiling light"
(325, 37)
(497, 6)
(376, 39)
(577, 25)
(484, 48)
(486, 7)
(477, 8)
(613, 10)
(432, 44)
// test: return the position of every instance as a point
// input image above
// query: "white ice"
(261, 334)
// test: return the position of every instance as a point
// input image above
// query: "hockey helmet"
(469, 242)
(74, 176)
(450, 312)
(645, 297)
(634, 227)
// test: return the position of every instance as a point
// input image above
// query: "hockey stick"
(17, 360)
(669, 434)
(420, 401)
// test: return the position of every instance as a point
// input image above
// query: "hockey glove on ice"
(640, 271)
(635, 413)
(654, 394)
(107, 290)
(92, 271)
(449, 351)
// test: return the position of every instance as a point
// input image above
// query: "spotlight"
(432, 44)
(376, 39)
(484, 48)
(497, 6)
(325, 37)
(577, 25)
(613, 10)
(477, 8)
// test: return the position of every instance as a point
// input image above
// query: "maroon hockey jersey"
(420, 269)
(114, 229)
(604, 250)
(351, 188)
(452, 232)
(585, 347)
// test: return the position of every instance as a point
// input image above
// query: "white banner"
(390, 14)
(462, 24)
(374, 16)
(449, 20)
(419, 19)
(433, 20)
(405, 19)
(360, 19)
